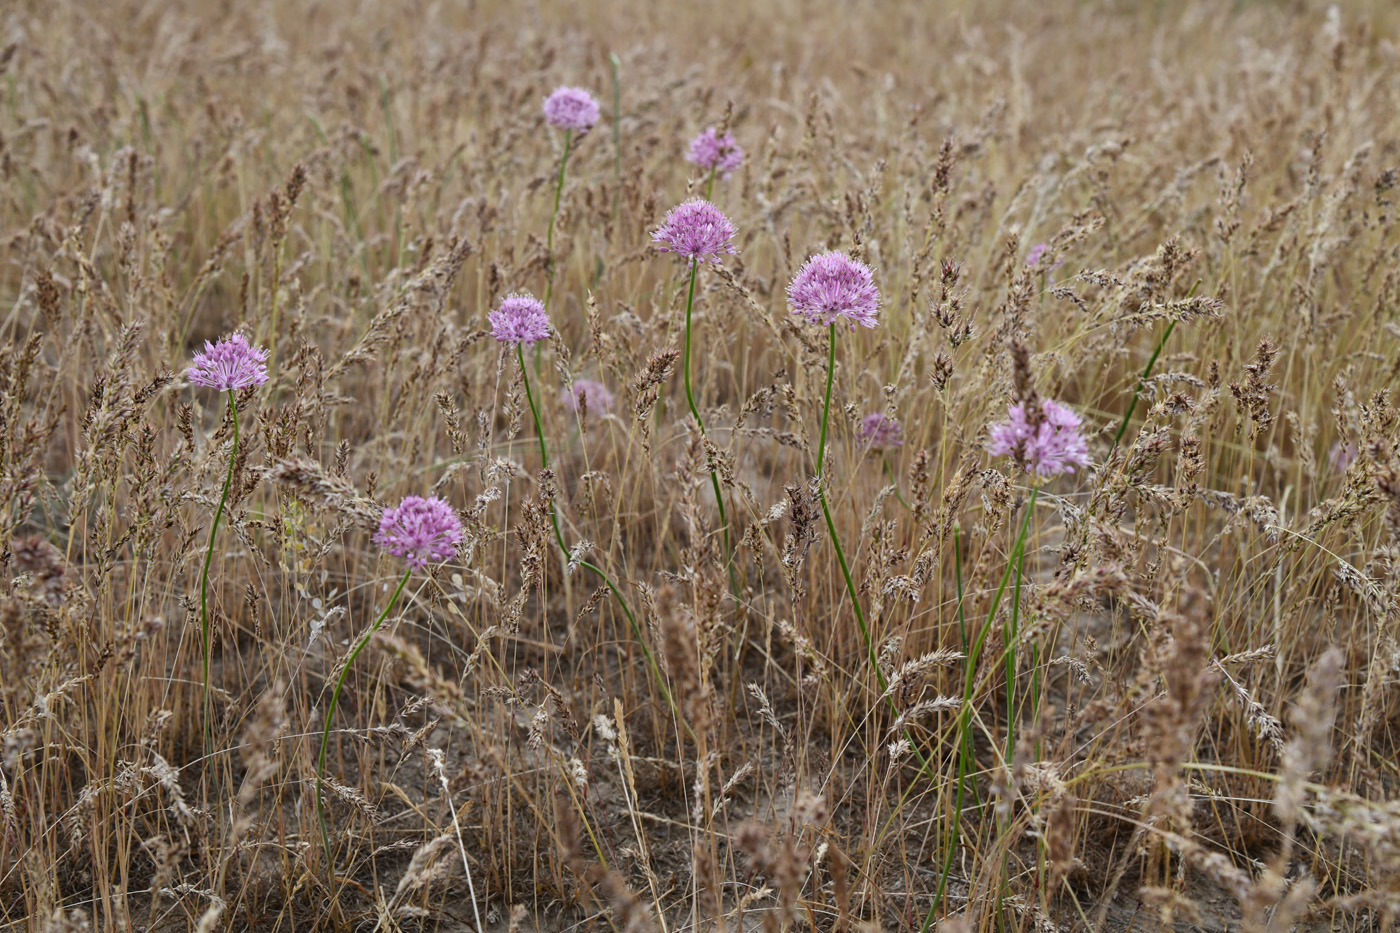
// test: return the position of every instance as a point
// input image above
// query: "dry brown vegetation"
(1207, 629)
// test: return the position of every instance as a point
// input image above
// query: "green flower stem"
(965, 716)
(1137, 389)
(586, 565)
(695, 411)
(616, 64)
(831, 525)
(205, 635)
(846, 569)
(710, 183)
(335, 701)
(549, 237)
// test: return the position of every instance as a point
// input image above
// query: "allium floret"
(420, 531)
(590, 394)
(520, 320)
(1049, 448)
(711, 151)
(879, 431)
(695, 230)
(1342, 456)
(232, 363)
(571, 108)
(832, 286)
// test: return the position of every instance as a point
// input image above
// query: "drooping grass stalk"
(695, 411)
(330, 714)
(205, 634)
(587, 565)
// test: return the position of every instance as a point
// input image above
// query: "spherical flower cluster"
(879, 431)
(585, 393)
(1342, 456)
(232, 363)
(831, 286)
(695, 230)
(520, 320)
(711, 151)
(1053, 447)
(571, 108)
(420, 530)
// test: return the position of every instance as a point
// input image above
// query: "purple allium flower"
(1342, 456)
(695, 230)
(571, 108)
(1052, 448)
(878, 431)
(586, 392)
(1036, 254)
(420, 530)
(832, 286)
(232, 363)
(520, 320)
(720, 153)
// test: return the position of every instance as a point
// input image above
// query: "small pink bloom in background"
(1342, 456)
(232, 363)
(1036, 254)
(878, 431)
(587, 393)
(695, 230)
(719, 153)
(571, 108)
(420, 530)
(519, 320)
(1053, 447)
(832, 286)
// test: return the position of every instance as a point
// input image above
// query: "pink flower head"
(878, 431)
(1053, 447)
(832, 286)
(420, 530)
(695, 230)
(585, 393)
(232, 363)
(571, 108)
(520, 320)
(1342, 456)
(713, 152)
(1036, 254)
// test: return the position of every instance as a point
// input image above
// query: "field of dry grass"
(1160, 692)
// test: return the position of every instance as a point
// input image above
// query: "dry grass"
(1206, 633)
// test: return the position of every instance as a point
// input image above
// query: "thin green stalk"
(616, 64)
(330, 713)
(695, 411)
(826, 405)
(710, 184)
(924, 764)
(1010, 657)
(965, 715)
(204, 578)
(586, 565)
(1137, 389)
(549, 237)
